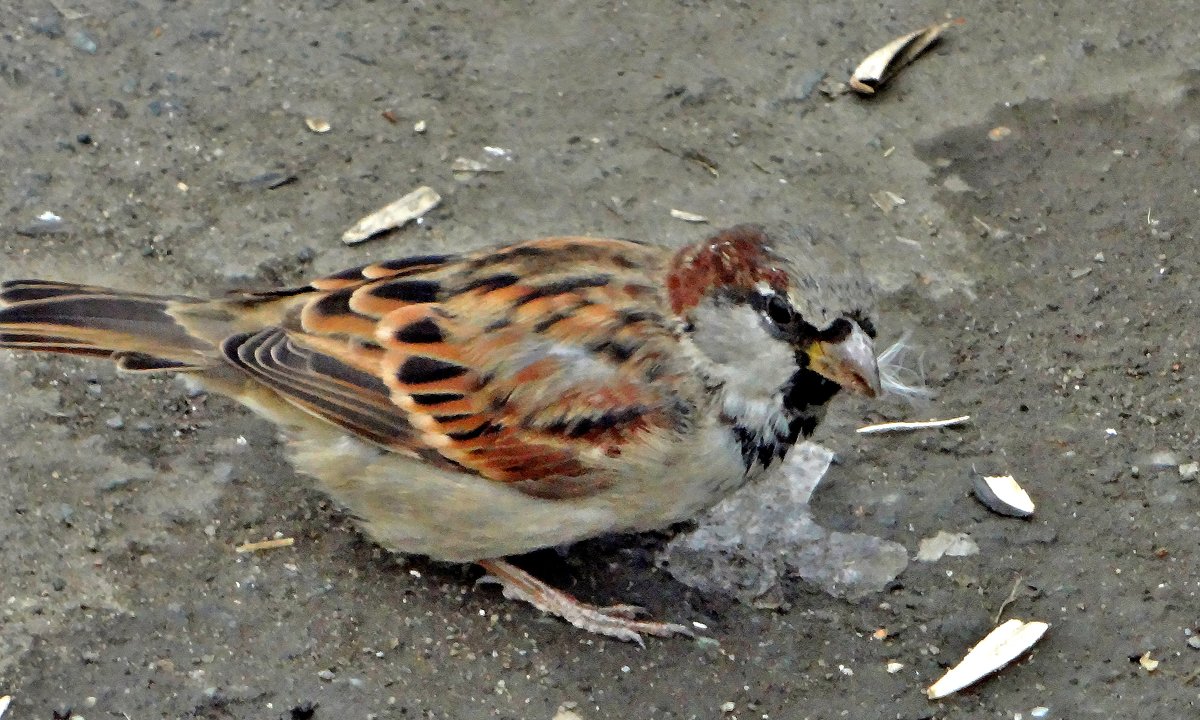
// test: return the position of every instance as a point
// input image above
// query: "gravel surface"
(1044, 256)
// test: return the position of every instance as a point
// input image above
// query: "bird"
(474, 406)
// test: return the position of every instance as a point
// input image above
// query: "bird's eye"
(780, 311)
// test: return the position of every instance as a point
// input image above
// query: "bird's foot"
(618, 621)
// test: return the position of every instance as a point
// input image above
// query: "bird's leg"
(615, 621)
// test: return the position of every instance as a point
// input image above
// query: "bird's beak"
(849, 362)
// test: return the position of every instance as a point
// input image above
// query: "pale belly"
(410, 507)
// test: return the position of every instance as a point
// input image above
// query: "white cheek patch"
(753, 363)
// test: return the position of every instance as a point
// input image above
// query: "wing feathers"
(524, 365)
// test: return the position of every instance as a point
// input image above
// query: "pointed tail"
(137, 331)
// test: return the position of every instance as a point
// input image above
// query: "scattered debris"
(831, 88)
(1158, 458)
(688, 216)
(80, 40)
(883, 64)
(566, 711)
(995, 233)
(1148, 663)
(750, 541)
(393, 215)
(466, 167)
(267, 181)
(946, 544)
(1001, 646)
(1002, 494)
(998, 133)
(272, 544)
(1012, 597)
(68, 13)
(318, 125)
(886, 200)
(691, 155)
(47, 223)
(913, 425)
(703, 160)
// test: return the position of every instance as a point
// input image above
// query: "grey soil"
(121, 498)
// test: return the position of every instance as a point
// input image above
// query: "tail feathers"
(137, 330)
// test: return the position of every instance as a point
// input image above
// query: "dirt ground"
(1048, 270)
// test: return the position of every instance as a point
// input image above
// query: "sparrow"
(473, 406)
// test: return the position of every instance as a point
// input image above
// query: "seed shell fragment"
(393, 215)
(1000, 647)
(688, 216)
(1001, 494)
(318, 125)
(883, 64)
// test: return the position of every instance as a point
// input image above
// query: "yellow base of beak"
(849, 362)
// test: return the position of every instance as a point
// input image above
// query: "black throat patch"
(804, 405)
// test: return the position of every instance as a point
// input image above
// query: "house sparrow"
(469, 407)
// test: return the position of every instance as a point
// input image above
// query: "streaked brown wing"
(526, 365)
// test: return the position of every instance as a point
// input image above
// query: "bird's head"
(777, 328)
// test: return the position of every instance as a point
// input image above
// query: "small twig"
(265, 545)
(1012, 597)
(690, 155)
(912, 425)
(761, 167)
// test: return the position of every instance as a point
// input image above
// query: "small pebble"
(1194, 642)
(82, 41)
(1039, 712)
(49, 26)
(566, 711)
(327, 675)
(116, 422)
(1189, 471)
